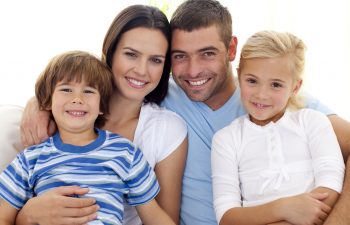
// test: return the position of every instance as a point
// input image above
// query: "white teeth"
(136, 82)
(198, 83)
(76, 113)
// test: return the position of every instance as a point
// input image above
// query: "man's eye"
(208, 54)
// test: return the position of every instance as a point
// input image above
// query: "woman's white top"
(253, 165)
(159, 132)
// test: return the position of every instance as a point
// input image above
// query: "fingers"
(81, 212)
(70, 190)
(319, 196)
(78, 220)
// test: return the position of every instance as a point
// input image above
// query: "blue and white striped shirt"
(111, 167)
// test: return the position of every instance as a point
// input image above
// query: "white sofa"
(10, 117)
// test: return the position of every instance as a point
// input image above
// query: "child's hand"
(305, 209)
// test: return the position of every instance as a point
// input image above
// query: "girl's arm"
(7, 213)
(169, 173)
(151, 214)
(306, 208)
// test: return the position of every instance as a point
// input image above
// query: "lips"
(136, 83)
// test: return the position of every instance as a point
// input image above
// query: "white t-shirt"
(253, 165)
(158, 133)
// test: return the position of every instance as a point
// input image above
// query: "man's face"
(200, 63)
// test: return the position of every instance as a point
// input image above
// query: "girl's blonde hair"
(273, 44)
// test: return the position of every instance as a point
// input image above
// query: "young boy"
(76, 87)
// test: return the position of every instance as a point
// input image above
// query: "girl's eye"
(276, 85)
(251, 81)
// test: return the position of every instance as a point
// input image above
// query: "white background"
(33, 31)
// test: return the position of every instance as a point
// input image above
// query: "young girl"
(279, 164)
(76, 88)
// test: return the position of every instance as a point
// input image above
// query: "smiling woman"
(33, 31)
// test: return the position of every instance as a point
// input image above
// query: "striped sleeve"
(14, 182)
(142, 181)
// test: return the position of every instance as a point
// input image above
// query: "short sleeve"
(10, 141)
(173, 130)
(315, 104)
(14, 182)
(142, 181)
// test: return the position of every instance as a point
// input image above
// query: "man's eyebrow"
(209, 48)
(177, 51)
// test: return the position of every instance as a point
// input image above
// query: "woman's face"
(138, 62)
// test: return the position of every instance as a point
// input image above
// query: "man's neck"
(223, 95)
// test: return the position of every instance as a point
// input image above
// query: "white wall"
(33, 31)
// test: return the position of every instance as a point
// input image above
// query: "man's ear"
(232, 48)
(297, 86)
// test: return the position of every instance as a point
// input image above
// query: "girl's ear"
(297, 86)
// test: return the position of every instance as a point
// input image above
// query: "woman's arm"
(7, 213)
(36, 125)
(342, 130)
(56, 207)
(151, 214)
(169, 173)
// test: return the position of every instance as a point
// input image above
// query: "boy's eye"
(66, 90)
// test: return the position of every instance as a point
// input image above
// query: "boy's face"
(266, 86)
(75, 107)
(200, 63)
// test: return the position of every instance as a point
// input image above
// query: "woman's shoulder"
(154, 113)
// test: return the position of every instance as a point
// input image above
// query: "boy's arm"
(151, 214)
(7, 213)
(340, 214)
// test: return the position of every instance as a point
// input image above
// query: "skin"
(137, 67)
(266, 86)
(201, 65)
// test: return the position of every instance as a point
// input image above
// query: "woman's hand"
(57, 207)
(36, 124)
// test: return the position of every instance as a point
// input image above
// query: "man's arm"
(342, 130)
(340, 214)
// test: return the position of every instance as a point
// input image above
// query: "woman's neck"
(123, 117)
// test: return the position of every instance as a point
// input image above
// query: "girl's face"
(138, 62)
(75, 107)
(266, 86)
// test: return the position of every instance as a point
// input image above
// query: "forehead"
(271, 68)
(145, 40)
(191, 41)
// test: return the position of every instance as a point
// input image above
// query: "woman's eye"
(156, 60)
(130, 54)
